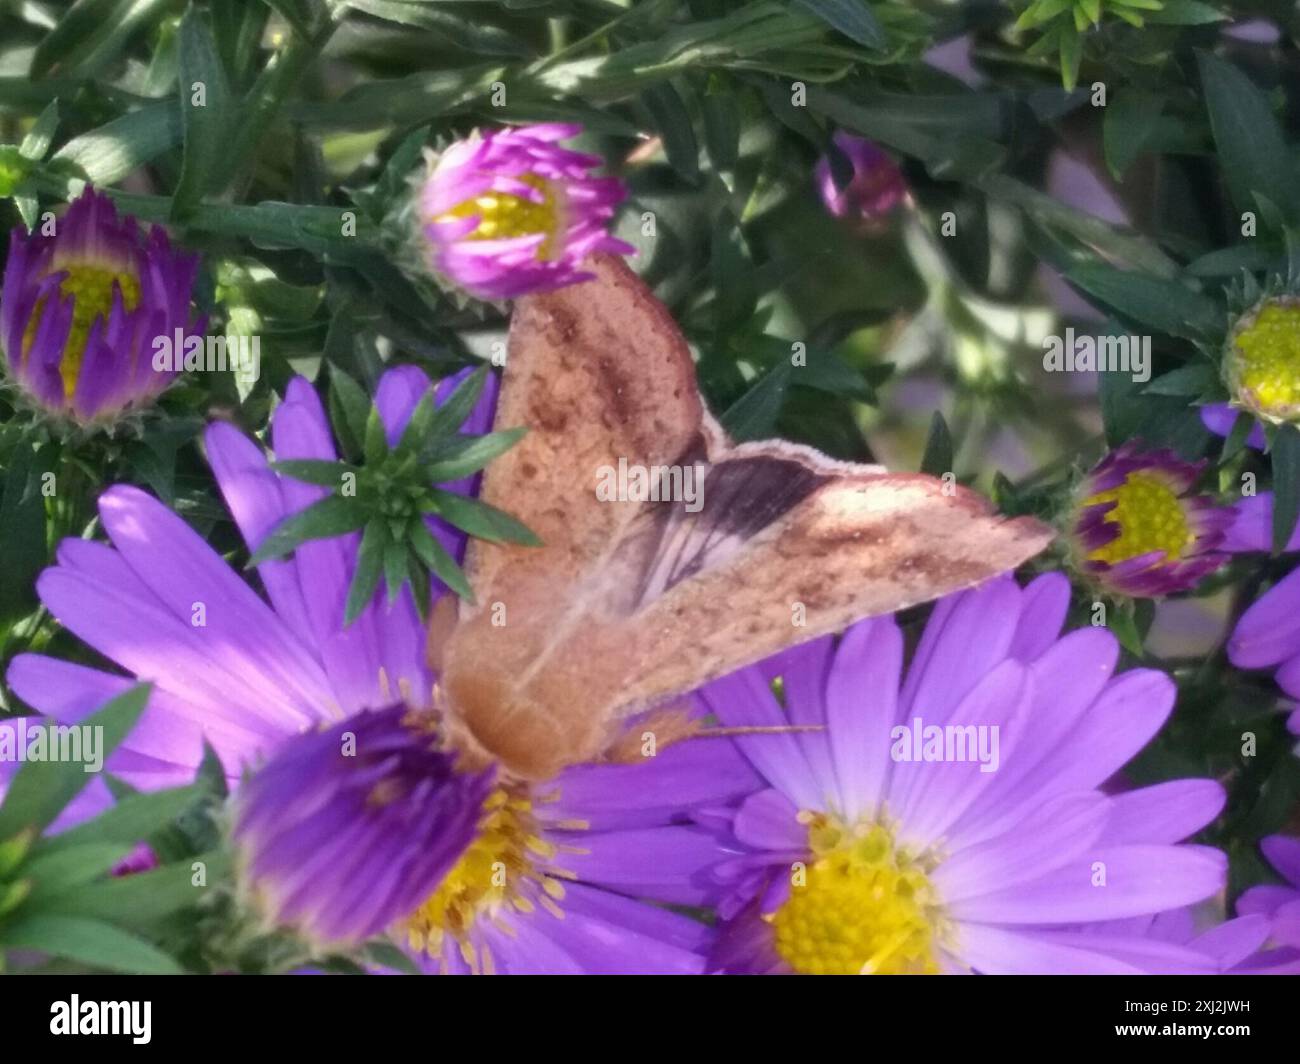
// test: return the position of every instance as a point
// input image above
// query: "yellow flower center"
(506, 869)
(1150, 518)
(91, 290)
(861, 906)
(503, 215)
(1265, 361)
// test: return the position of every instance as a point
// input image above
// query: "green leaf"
(395, 569)
(442, 564)
(41, 789)
(853, 18)
(131, 819)
(22, 529)
(334, 515)
(41, 135)
(370, 563)
(1285, 453)
(464, 455)
(206, 123)
(721, 128)
(71, 866)
(1252, 149)
(106, 155)
(89, 942)
(375, 440)
(673, 122)
(1164, 305)
(1196, 379)
(937, 459)
(482, 520)
(453, 413)
(314, 471)
(1130, 120)
(349, 411)
(753, 416)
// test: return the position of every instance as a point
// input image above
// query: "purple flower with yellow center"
(351, 828)
(951, 817)
(1138, 531)
(874, 190)
(81, 308)
(553, 875)
(511, 211)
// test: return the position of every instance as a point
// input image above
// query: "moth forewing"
(628, 603)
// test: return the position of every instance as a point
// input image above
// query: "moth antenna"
(670, 728)
(756, 729)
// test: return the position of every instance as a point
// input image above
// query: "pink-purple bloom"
(865, 851)
(581, 850)
(510, 211)
(1139, 531)
(82, 307)
(874, 190)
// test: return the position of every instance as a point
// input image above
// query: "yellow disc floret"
(861, 906)
(1150, 517)
(91, 288)
(503, 215)
(1264, 361)
(506, 868)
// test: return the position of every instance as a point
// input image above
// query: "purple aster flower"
(1262, 360)
(510, 211)
(81, 308)
(1137, 529)
(874, 190)
(1279, 905)
(951, 817)
(351, 828)
(580, 851)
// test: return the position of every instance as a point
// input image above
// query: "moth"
(629, 603)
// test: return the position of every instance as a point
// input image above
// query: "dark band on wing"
(740, 498)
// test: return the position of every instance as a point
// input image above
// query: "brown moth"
(627, 604)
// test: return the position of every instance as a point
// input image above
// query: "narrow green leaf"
(453, 413)
(206, 113)
(41, 789)
(349, 411)
(106, 155)
(483, 520)
(1285, 453)
(1252, 149)
(853, 18)
(442, 564)
(753, 416)
(375, 446)
(316, 471)
(89, 942)
(673, 122)
(39, 137)
(468, 454)
(370, 564)
(938, 456)
(131, 819)
(334, 515)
